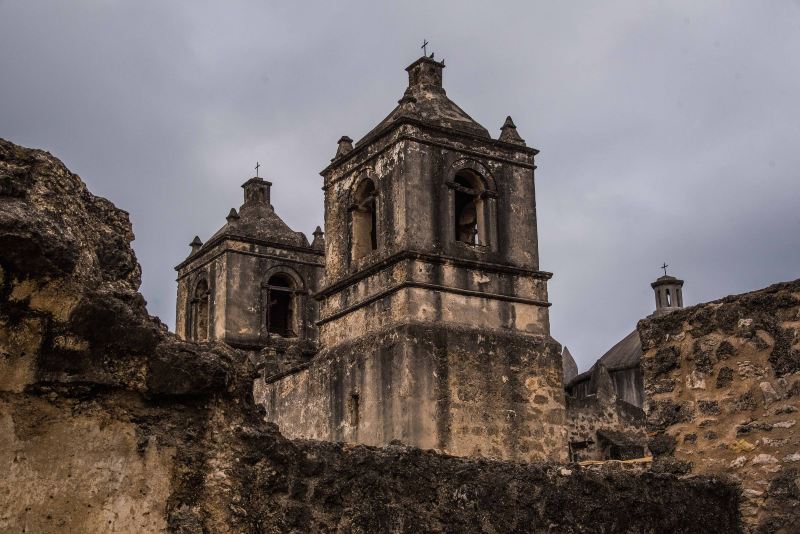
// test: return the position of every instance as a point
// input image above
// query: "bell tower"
(433, 310)
(430, 220)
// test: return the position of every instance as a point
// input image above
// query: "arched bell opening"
(280, 306)
(469, 203)
(364, 222)
(199, 312)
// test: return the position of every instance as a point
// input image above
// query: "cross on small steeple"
(424, 47)
(665, 268)
(257, 166)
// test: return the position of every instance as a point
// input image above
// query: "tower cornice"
(432, 258)
(363, 146)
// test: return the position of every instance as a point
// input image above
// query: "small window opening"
(354, 409)
(469, 223)
(365, 224)
(669, 298)
(578, 450)
(280, 305)
(199, 312)
(680, 297)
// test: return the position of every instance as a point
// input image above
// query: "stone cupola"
(425, 73)
(669, 294)
(256, 191)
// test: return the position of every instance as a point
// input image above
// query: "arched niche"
(363, 220)
(282, 302)
(199, 308)
(472, 205)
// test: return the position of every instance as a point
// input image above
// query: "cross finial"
(424, 47)
(257, 166)
(665, 268)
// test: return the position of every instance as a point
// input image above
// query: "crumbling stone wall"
(109, 423)
(421, 491)
(601, 423)
(603, 429)
(722, 382)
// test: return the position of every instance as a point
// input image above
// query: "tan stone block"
(742, 445)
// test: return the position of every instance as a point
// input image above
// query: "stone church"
(420, 316)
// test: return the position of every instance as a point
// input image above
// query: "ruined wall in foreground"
(722, 382)
(108, 423)
(397, 489)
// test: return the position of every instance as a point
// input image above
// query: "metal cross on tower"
(257, 166)
(424, 47)
(665, 268)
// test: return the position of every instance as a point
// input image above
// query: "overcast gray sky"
(669, 131)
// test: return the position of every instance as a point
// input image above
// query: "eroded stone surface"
(747, 347)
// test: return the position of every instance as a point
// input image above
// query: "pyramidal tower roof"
(256, 219)
(425, 100)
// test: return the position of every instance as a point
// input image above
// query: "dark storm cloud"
(668, 131)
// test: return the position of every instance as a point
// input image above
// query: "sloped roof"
(425, 100)
(259, 221)
(624, 354)
(433, 108)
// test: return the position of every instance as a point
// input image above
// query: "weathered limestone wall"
(722, 382)
(236, 272)
(214, 270)
(248, 271)
(495, 395)
(422, 304)
(71, 466)
(94, 436)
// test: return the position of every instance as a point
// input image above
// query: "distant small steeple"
(345, 146)
(509, 134)
(668, 292)
(196, 244)
(319, 239)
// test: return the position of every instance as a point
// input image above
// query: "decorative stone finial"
(345, 146)
(319, 239)
(509, 134)
(196, 244)
(232, 216)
